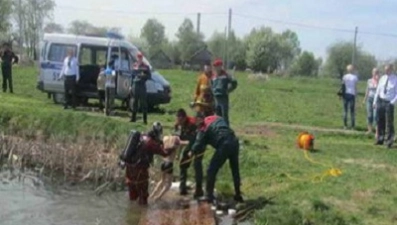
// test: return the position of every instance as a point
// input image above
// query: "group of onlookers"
(106, 86)
(380, 98)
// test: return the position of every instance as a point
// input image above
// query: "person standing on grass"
(187, 128)
(8, 58)
(203, 99)
(141, 73)
(349, 98)
(222, 84)
(215, 131)
(70, 71)
(110, 90)
(370, 92)
(385, 99)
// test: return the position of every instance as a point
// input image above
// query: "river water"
(28, 201)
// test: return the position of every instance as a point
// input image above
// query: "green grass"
(364, 194)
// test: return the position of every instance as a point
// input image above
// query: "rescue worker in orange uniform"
(203, 100)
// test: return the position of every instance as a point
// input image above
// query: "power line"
(133, 12)
(316, 27)
(295, 24)
(379, 34)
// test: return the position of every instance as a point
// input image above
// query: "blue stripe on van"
(53, 66)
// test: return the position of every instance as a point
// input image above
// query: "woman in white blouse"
(372, 85)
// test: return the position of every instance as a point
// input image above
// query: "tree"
(81, 27)
(237, 51)
(53, 28)
(217, 44)
(290, 47)
(30, 16)
(264, 50)
(154, 34)
(189, 41)
(340, 55)
(140, 43)
(305, 65)
(5, 13)
(171, 49)
(235, 47)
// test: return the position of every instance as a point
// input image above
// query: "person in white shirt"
(349, 98)
(70, 71)
(385, 99)
(369, 99)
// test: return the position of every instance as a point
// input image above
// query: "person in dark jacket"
(222, 84)
(8, 58)
(141, 73)
(137, 175)
(187, 127)
(215, 131)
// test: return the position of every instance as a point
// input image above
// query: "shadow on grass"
(315, 150)
(244, 211)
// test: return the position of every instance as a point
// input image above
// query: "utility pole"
(198, 22)
(225, 46)
(355, 47)
(20, 26)
(228, 38)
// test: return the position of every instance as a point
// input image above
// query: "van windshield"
(134, 52)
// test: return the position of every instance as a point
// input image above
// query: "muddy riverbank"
(80, 183)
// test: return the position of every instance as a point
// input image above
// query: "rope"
(331, 172)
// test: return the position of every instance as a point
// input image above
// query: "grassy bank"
(266, 115)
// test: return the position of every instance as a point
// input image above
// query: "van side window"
(92, 55)
(85, 56)
(123, 62)
(58, 52)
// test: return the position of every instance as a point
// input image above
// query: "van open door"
(122, 65)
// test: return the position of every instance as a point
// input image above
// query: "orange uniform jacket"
(203, 89)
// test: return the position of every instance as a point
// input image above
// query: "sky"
(318, 23)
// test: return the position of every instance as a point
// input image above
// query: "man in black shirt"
(7, 59)
(141, 73)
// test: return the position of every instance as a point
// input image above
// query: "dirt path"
(264, 128)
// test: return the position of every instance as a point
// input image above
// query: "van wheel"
(58, 98)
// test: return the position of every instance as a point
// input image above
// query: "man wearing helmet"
(137, 175)
(141, 73)
(215, 131)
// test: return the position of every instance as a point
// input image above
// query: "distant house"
(160, 60)
(200, 58)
